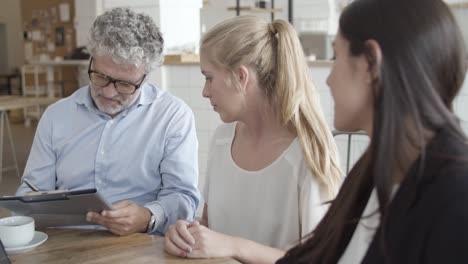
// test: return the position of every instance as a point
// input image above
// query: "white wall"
(10, 15)
(85, 13)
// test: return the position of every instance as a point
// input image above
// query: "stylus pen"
(32, 186)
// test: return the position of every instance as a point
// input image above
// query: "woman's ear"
(374, 58)
(244, 75)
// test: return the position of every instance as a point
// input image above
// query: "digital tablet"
(57, 208)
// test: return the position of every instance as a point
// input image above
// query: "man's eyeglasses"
(102, 80)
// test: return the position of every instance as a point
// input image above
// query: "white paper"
(64, 12)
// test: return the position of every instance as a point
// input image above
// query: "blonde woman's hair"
(273, 50)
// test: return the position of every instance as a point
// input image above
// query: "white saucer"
(39, 238)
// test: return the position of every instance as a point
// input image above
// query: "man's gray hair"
(128, 37)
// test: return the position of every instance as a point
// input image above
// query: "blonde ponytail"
(300, 107)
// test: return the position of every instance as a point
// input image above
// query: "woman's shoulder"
(445, 175)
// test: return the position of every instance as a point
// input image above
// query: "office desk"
(89, 246)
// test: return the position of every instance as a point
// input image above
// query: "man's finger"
(97, 219)
(117, 213)
(93, 217)
(121, 204)
(102, 220)
(90, 216)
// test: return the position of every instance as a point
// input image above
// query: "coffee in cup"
(16, 231)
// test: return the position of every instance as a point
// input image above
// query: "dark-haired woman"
(399, 65)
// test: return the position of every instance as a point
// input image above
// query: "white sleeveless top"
(274, 206)
(365, 230)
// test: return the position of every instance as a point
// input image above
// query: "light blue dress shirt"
(147, 154)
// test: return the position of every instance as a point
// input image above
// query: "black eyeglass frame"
(112, 80)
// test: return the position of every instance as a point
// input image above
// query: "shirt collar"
(148, 95)
(83, 97)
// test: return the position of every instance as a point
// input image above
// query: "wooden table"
(90, 246)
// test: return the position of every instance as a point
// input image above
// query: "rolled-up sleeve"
(178, 197)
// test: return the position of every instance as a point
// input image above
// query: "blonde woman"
(274, 163)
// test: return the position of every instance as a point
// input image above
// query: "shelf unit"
(271, 10)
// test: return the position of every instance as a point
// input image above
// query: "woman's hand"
(208, 243)
(193, 240)
(178, 240)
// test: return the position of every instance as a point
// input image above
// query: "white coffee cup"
(16, 231)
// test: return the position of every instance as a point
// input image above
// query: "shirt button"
(99, 181)
(111, 122)
(102, 152)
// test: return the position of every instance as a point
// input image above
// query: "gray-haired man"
(133, 142)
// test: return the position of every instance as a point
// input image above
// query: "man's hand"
(126, 218)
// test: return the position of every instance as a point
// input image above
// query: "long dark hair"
(422, 70)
